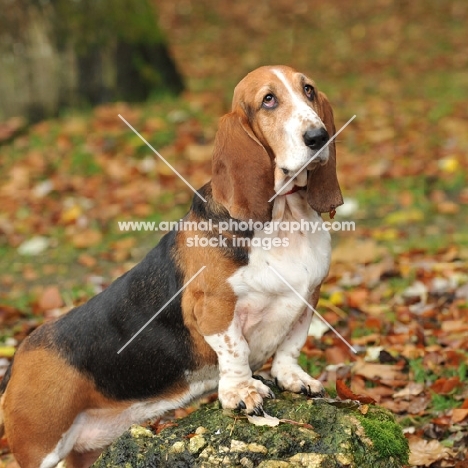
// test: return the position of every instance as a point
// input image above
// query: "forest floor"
(398, 285)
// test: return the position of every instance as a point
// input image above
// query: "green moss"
(385, 434)
(90, 23)
(325, 432)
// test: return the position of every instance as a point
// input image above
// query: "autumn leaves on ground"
(398, 285)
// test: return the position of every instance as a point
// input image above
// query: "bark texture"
(60, 53)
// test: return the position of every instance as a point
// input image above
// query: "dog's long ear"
(323, 190)
(242, 171)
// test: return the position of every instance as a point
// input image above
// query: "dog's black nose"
(316, 138)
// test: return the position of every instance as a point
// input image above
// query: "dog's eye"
(269, 101)
(309, 91)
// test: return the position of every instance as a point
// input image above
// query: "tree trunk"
(312, 433)
(67, 53)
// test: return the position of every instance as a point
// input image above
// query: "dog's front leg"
(237, 388)
(285, 368)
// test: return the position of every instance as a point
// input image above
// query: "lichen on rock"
(313, 433)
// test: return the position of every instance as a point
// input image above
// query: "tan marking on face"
(280, 129)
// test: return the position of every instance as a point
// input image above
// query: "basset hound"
(70, 392)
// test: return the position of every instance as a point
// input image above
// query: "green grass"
(444, 402)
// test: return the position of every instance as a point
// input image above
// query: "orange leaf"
(445, 386)
(364, 409)
(459, 414)
(442, 421)
(357, 297)
(346, 393)
(86, 238)
(158, 427)
(50, 298)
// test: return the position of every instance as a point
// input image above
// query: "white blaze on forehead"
(300, 107)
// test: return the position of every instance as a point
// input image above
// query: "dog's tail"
(3, 386)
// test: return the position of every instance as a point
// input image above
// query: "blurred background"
(70, 168)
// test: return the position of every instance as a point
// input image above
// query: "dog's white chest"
(268, 288)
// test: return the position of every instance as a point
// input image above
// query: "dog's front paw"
(298, 381)
(246, 395)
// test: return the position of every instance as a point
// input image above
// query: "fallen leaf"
(265, 420)
(157, 426)
(459, 414)
(454, 326)
(412, 389)
(50, 298)
(445, 386)
(71, 213)
(345, 393)
(354, 251)
(404, 217)
(34, 246)
(419, 405)
(388, 374)
(364, 409)
(297, 423)
(425, 453)
(317, 327)
(7, 351)
(87, 238)
(397, 406)
(87, 260)
(336, 355)
(357, 297)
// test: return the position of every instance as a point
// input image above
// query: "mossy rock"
(328, 434)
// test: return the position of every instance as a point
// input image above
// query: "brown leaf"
(388, 374)
(157, 426)
(454, 326)
(377, 393)
(459, 414)
(346, 393)
(87, 260)
(297, 423)
(444, 420)
(50, 298)
(418, 405)
(412, 389)
(364, 409)
(397, 406)
(87, 238)
(445, 386)
(425, 453)
(357, 297)
(355, 252)
(448, 207)
(336, 355)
